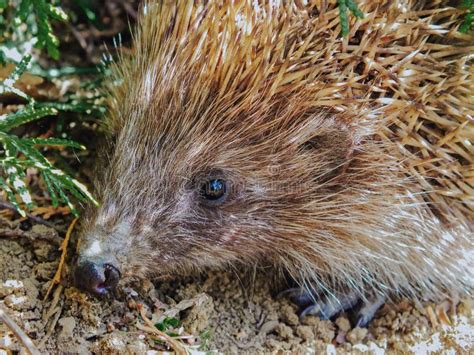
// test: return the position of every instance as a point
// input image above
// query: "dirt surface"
(224, 312)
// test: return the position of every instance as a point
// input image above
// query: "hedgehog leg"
(327, 307)
(367, 312)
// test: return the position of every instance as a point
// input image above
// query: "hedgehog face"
(219, 155)
(222, 194)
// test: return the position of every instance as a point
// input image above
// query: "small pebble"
(110, 327)
(132, 304)
(356, 335)
(343, 324)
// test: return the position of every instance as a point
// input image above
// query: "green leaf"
(76, 185)
(15, 178)
(78, 106)
(50, 188)
(11, 197)
(22, 153)
(468, 22)
(70, 186)
(3, 4)
(167, 323)
(77, 189)
(28, 114)
(57, 13)
(467, 4)
(30, 152)
(56, 142)
(343, 16)
(4, 89)
(46, 38)
(171, 322)
(205, 338)
(43, 12)
(65, 199)
(24, 9)
(19, 69)
(10, 150)
(160, 327)
(6, 86)
(58, 72)
(354, 8)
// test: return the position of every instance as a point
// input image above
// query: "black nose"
(96, 278)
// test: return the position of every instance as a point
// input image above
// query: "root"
(53, 310)
(57, 277)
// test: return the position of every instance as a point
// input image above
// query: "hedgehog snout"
(96, 277)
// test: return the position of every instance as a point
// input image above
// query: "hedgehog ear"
(332, 146)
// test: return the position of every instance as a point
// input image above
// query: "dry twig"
(53, 310)
(19, 333)
(9, 206)
(57, 277)
(149, 327)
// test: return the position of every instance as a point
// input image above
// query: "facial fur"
(234, 93)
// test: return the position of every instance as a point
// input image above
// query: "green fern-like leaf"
(50, 188)
(16, 179)
(19, 69)
(6, 86)
(24, 10)
(28, 114)
(22, 153)
(57, 13)
(55, 142)
(46, 38)
(43, 12)
(11, 197)
(468, 22)
(344, 5)
(75, 106)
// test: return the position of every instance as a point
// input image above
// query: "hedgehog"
(253, 133)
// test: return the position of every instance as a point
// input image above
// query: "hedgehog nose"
(96, 278)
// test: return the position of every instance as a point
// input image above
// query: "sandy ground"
(225, 312)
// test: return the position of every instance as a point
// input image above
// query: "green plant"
(343, 16)
(20, 153)
(167, 325)
(344, 5)
(205, 338)
(36, 15)
(468, 23)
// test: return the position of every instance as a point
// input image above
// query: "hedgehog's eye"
(214, 191)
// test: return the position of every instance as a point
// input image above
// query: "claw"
(298, 296)
(367, 312)
(311, 310)
(325, 308)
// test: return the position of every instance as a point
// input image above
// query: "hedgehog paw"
(367, 311)
(329, 306)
